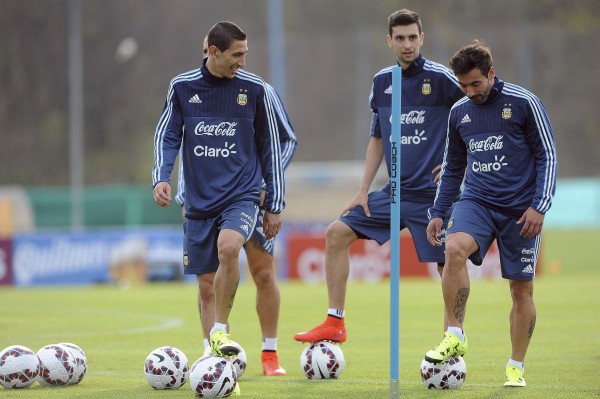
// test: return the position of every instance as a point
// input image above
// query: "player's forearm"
(372, 162)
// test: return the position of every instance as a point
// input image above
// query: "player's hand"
(271, 224)
(162, 194)
(532, 221)
(263, 193)
(361, 199)
(438, 170)
(434, 232)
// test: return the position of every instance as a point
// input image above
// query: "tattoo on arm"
(461, 304)
(532, 325)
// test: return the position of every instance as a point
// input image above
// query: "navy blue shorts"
(518, 255)
(413, 215)
(200, 253)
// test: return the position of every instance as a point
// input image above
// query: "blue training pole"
(395, 235)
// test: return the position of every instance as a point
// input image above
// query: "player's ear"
(492, 73)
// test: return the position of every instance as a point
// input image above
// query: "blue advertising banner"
(5, 262)
(97, 256)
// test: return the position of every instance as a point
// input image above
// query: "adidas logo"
(388, 90)
(528, 269)
(465, 119)
(195, 100)
(244, 227)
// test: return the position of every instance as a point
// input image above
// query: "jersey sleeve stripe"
(278, 185)
(287, 138)
(161, 128)
(545, 132)
(439, 68)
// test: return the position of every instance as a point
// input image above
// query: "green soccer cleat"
(221, 345)
(514, 377)
(451, 346)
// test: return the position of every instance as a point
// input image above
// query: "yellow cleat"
(221, 345)
(451, 346)
(514, 377)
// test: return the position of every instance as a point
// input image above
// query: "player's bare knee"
(228, 252)
(455, 252)
(263, 277)
(338, 234)
(521, 291)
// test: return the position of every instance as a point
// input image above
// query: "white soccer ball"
(80, 362)
(322, 360)
(57, 365)
(19, 367)
(239, 361)
(448, 375)
(212, 377)
(166, 368)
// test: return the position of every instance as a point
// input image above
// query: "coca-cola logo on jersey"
(219, 129)
(413, 118)
(489, 144)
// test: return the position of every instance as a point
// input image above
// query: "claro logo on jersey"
(219, 129)
(215, 152)
(489, 166)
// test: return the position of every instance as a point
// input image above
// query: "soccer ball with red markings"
(239, 361)
(213, 377)
(166, 368)
(19, 367)
(80, 363)
(448, 375)
(57, 365)
(322, 360)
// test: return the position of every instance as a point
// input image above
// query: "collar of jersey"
(414, 68)
(212, 79)
(495, 92)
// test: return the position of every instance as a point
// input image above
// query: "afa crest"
(506, 111)
(426, 88)
(242, 99)
(186, 261)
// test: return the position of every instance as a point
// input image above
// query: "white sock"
(520, 365)
(339, 313)
(269, 344)
(218, 326)
(206, 343)
(458, 332)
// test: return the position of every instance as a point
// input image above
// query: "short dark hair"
(475, 55)
(404, 17)
(223, 34)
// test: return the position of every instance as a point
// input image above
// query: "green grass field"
(117, 328)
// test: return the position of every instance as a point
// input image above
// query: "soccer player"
(500, 133)
(225, 121)
(259, 252)
(428, 92)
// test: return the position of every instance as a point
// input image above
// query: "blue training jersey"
(428, 92)
(506, 146)
(287, 140)
(228, 131)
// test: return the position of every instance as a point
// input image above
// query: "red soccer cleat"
(270, 363)
(333, 329)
